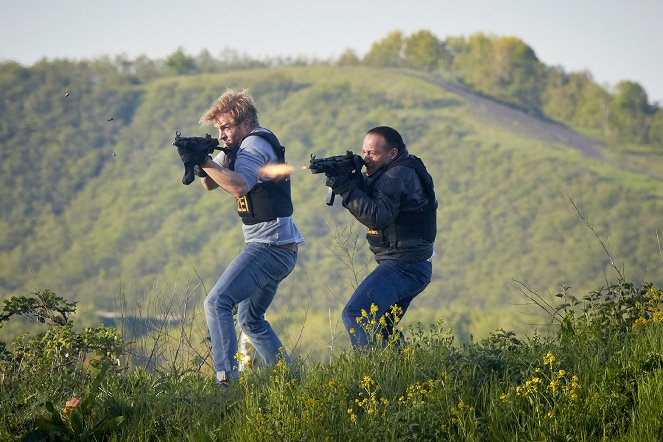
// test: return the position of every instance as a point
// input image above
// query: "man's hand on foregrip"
(191, 160)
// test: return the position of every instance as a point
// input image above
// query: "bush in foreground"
(599, 378)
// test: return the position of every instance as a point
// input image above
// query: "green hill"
(93, 208)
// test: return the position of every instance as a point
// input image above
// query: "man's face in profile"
(377, 153)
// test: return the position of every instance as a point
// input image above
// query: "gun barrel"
(196, 143)
(318, 167)
(336, 165)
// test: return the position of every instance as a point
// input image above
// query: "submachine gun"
(193, 151)
(335, 166)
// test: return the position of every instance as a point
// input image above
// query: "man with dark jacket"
(395, 200)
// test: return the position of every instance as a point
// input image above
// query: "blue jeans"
(392, 283)
(250, 282)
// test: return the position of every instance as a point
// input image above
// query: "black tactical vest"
(420, 224)
(267, 200)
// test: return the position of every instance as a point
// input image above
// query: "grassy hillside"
(93, 208)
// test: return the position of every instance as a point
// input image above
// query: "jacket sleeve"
(382, 207)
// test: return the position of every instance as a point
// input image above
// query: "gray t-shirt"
(253, 154)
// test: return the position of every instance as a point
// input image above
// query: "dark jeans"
(392, 283)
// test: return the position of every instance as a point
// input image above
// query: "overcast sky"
(613, 39)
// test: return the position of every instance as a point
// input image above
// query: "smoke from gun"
(276, 171)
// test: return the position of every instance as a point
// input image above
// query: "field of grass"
(599, 376)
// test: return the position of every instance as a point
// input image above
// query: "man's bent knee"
(214, 303)
(251, 326)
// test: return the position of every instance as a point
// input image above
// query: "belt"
(290, 246)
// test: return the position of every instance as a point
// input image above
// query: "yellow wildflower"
(554, 385)
(367, 382)
(549, 358)
(639, 323)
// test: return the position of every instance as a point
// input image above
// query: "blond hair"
(238, 104)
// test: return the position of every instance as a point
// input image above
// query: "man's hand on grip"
(342, 183)
(193, 152)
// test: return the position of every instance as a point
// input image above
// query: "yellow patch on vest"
(242, 204)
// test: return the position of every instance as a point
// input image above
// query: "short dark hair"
(391, 136)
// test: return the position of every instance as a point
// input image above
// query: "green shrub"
(598, 378)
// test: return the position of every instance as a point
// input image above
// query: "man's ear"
(393, 153)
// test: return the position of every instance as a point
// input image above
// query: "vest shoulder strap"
(272, 140)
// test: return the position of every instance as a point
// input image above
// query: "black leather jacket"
(378, 201)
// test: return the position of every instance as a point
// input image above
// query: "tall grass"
(599, 378)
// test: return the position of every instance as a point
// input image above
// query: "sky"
(615, 40)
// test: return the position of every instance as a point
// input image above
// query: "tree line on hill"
(502, 67)
(507, 69)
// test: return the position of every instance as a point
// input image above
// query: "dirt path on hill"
(522, 122)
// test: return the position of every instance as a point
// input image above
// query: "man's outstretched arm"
(219, 176)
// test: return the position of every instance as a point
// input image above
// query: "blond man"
(265, 208)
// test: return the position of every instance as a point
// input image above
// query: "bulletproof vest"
(419, 224)
(267, 200)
